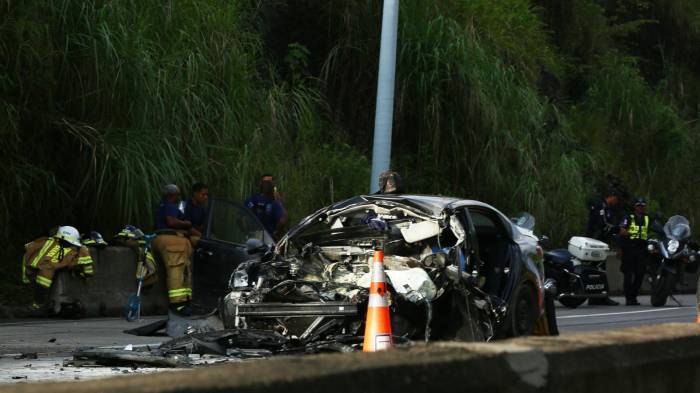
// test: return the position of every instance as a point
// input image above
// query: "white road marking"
(623, 313)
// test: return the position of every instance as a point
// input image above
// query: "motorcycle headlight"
(673, 246)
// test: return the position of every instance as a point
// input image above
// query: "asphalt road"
(587, 318)
(53, 340)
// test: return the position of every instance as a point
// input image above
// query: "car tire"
(572, 302)
(522, 312)
(551, 314)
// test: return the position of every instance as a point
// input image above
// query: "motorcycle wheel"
(572, 302)
(661, 288)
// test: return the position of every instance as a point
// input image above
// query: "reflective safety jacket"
(47, 254)
(636, 231)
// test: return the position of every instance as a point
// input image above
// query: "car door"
(222, 248)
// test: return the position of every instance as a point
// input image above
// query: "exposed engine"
(319, 279)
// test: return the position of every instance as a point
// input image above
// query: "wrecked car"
(456, 270)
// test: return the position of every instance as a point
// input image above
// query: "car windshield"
(524, 220)
(677, 227)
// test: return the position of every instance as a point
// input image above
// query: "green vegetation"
(525, 104)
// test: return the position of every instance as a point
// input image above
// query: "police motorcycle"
(674, 255)
(576, 273)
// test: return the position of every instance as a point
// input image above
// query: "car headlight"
(240, 279)
(673, 246)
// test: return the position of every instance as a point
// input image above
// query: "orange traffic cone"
(378, 324)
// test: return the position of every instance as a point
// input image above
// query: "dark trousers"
(633, 265)
(632, 282)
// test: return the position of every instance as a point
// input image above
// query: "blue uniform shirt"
(268, 210)
(196, 214)
(167, 209)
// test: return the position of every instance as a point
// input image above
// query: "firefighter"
(173, 245)
(267, 206)
(45, 256)
(196, 210)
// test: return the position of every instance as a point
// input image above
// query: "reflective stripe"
(178, 292)
(377, 301)
(43, 281)
(87, 269)
(149, 256)
(378, 272)
(44, 249)
(85, 260)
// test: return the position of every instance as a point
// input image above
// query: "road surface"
(591, 318)
(34, 350)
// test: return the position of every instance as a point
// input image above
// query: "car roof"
(432, 205)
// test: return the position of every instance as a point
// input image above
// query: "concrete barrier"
(108, 291)
(659, 358)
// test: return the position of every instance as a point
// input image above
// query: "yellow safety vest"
(638, 232)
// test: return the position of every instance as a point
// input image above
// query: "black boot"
(39, 307)
(181, 308)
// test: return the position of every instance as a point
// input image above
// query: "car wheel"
(522, 313)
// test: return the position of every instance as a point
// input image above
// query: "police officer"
(267, 206)
(634, 232)
(601, 227)
(173, 245)
(45, 256)
(390, 183)
(196, 210)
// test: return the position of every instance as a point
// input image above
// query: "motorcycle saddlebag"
(587, 249)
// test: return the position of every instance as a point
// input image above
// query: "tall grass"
(104, 102)
(522, 103)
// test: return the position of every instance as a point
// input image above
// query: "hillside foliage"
(525, 104)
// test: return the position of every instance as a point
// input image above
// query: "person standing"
(390, 183)
(601, 227)
(173, 245)
(45, 256)
(267, 206)
(196, 210)
(634, 232)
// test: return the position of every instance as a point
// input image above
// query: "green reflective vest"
(638, 232)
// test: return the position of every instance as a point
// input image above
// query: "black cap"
(640, 201)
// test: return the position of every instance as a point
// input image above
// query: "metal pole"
(381, 152)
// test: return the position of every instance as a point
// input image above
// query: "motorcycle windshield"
(677, 227)
(524, 220)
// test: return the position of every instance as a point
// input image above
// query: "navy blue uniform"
(600, 220)
(196, 214)
(268, 210)
(167, 209)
